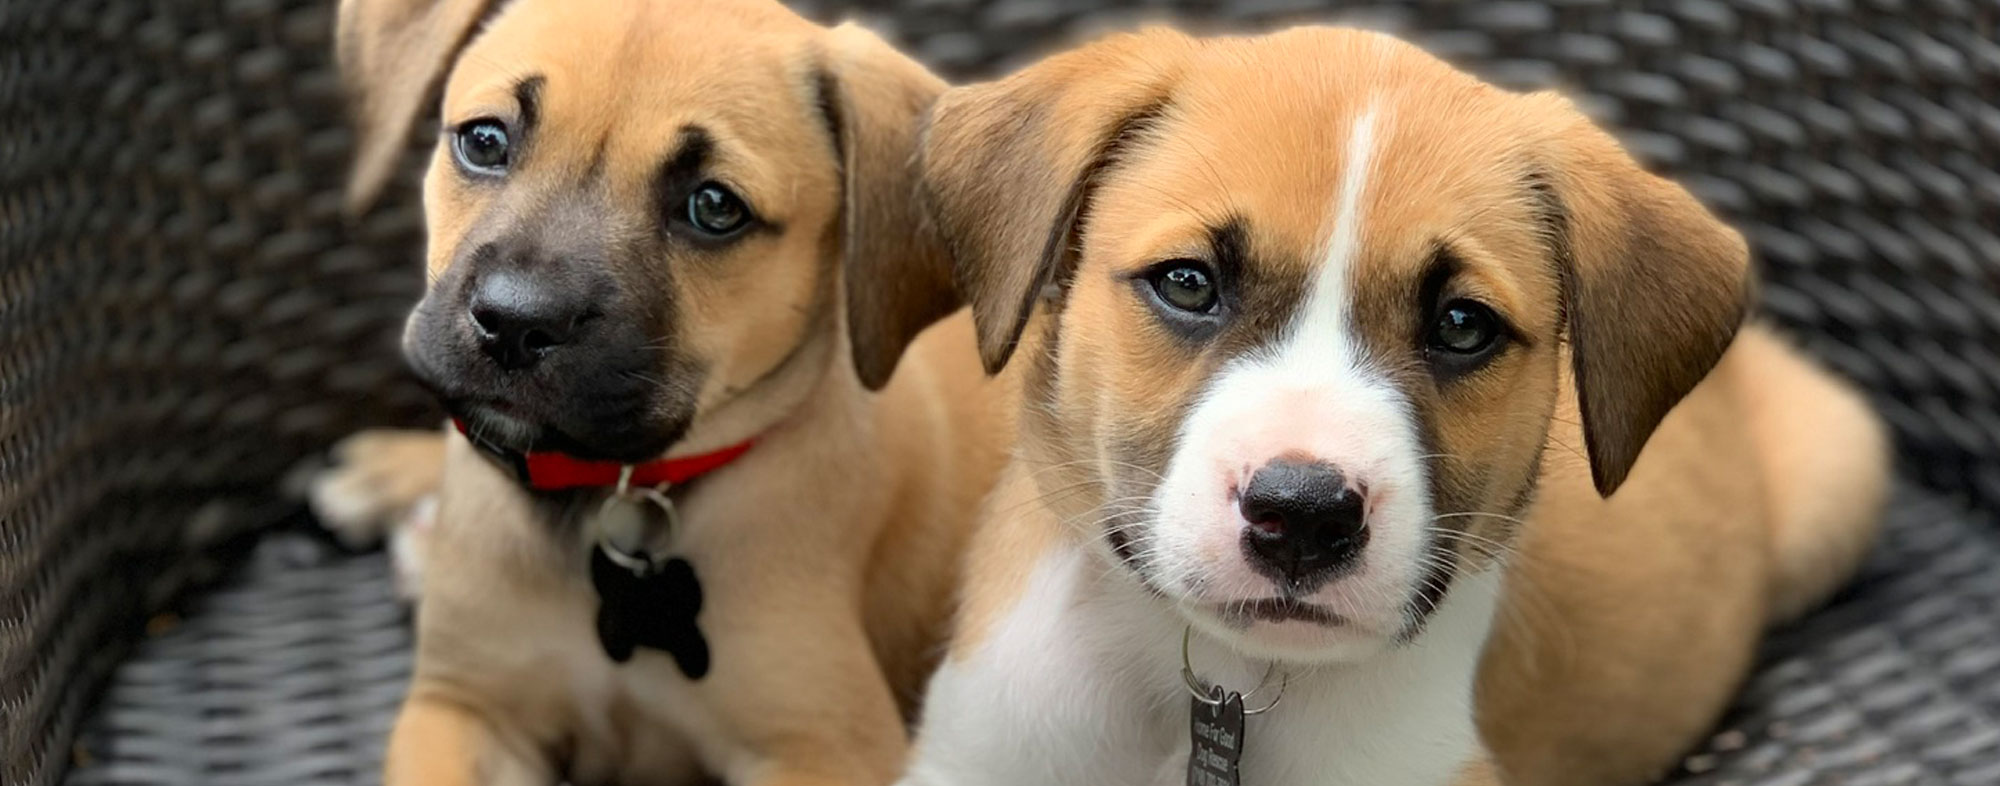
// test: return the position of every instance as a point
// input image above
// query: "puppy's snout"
(519, 319)
(1304, 521)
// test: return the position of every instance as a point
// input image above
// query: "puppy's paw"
(407, 543)
(380, 483)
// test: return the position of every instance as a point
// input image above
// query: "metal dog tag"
(644, 599)
(630, 521)
(1216, 735)
(653, 610)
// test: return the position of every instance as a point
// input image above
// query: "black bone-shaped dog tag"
(654, 607)
(1217, 737)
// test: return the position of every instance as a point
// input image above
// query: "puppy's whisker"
(1473, 513)
(1113, 517)
(1431, 590)
(1183, 204)
(1093, 463)
(1572, 450)
(1484, 552)
(1208, 167)
(1470, 536)
(1063, 493)
(1485, 546)
(1056, 494)
(646, 378)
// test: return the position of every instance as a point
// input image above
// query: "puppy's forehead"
(622, 73)
(1315, 131)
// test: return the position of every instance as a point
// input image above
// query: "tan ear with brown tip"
(1655, 287)
(392, 55)
(897, 276)
(1008, 165)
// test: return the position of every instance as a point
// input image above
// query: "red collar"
(561, 471)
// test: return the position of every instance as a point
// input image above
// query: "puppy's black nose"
(1304, 521)
(519, 320)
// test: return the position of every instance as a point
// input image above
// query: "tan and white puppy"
(658, 228)
(1336, 356)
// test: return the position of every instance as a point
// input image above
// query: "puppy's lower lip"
(1280, 610)
(495, 425)
(481, 410)
(496, 407)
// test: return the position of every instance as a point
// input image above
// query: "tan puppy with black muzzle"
(1335, 357)
(659, 238)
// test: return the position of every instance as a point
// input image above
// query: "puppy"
(659, 241)
(1339, 366)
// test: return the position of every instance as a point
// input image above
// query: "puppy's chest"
(1322, 742)
(637, 722)
(1402, 718)
(1338, 734)
(533, 649)
(1109, 678)
(536, 659)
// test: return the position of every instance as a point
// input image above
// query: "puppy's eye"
(716, 210)
(1465, 327)
(482, 146)
(1185, 285)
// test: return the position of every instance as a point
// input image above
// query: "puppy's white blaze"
(1324, 321)
(1312, 393)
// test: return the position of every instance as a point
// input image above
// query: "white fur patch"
(1080, 685)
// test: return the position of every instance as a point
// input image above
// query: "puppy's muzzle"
(1305, 524)
(518, 320)
(546, 352)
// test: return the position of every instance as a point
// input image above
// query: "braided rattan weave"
(184, 314)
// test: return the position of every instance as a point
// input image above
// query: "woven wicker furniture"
(184, 315)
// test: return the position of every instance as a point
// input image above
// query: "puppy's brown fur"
(1628, 619)
(828, 553)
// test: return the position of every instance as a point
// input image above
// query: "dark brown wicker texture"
(183, 314)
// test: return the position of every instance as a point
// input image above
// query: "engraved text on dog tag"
(1217, 737)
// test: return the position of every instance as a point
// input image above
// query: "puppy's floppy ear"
(898, 279)
(1654, 287)
(392, 56)
(1008, 168)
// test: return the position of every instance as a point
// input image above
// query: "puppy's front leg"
(377, 479)
(383, 483)
(439, 742)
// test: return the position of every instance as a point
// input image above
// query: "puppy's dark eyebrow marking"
(528, 96)
(1226, 240)
(1444, 265)
(687, 168)
(684, 166)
